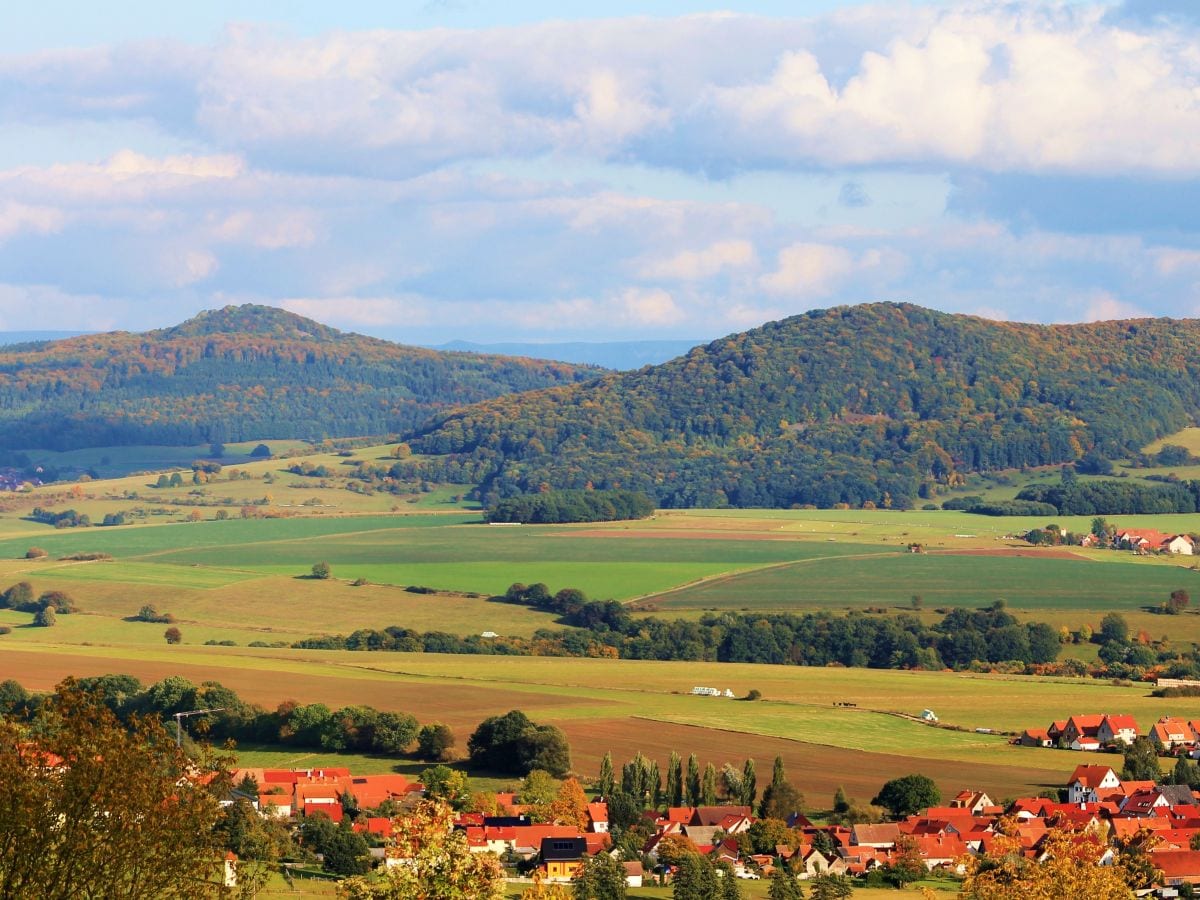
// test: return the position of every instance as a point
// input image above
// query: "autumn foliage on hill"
(881, 404)
(240, 373)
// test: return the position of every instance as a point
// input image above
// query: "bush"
(36, 553)
(45, 617)
(321, 570)
(4, 629)
(173, 635)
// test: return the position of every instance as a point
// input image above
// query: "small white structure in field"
(928, 715)
(489, 634)
(706, 691)
(728, 693)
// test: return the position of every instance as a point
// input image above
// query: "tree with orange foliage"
(1067, 865)
(569, 807)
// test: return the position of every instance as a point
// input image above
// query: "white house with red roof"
(1087, 783)
(1117, 729)
(1170, 732)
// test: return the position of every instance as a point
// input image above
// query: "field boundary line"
(737, 573)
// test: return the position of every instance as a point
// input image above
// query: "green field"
(942, 580)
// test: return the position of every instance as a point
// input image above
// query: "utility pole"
(180, 716)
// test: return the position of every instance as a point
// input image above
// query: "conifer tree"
(693, 781)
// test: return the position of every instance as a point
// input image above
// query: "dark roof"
(505, 821)
(712, 815)
(1178, 794)
(563, 849)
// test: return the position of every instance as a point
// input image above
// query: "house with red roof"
(1117, 730)
(1087, 782)
(1083, 732)
(1178, 867)
(598, 816)
(1170, 732)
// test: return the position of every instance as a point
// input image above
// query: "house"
(1035, 737)
(817, 863)
(1117, 729)
(1170, 732)
(634, 874)
(1178, 866)
(1055, 729)
(928, 715)
(1083, 732)
(973, 801)
(1179, 543)
(1087, 782)
(562, 857)
(1144, 803)
(1148, 541)
(598, 817)
(879, 836)
(716, 815)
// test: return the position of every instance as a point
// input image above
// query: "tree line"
(553, 507)
(607, 629)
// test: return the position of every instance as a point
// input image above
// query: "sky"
(451, 169)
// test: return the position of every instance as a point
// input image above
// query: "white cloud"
(1020, 86)
(694, 265)
(18, 218)
(1102, 306)
(809, 269)
(651, 307)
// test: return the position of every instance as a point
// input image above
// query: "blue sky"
(545, 171)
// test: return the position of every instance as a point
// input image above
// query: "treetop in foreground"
(94, 807)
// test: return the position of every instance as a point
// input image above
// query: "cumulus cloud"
(365, 178)
(997, 86)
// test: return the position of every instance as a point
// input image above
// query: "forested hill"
(241, 373)
(879, 403)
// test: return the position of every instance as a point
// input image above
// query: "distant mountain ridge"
(619, 355)
(239, 373)
(883, 404)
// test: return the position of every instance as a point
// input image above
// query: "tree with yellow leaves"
(1067, 865)
(432, 862)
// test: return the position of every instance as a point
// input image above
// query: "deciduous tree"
(93, 807)
(437, 862)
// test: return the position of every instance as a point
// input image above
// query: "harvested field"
(815, 769)
(462, 706)
(1027, 552)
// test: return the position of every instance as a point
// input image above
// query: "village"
(1161, 821)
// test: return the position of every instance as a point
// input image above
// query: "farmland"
(243, 579)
